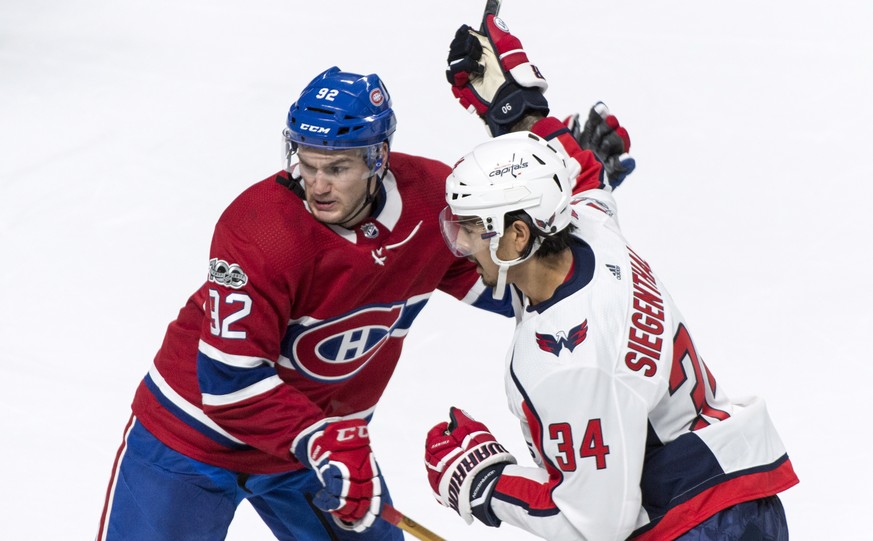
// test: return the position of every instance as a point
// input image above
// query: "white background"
(127, 126)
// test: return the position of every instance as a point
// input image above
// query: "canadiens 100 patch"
(227, 274)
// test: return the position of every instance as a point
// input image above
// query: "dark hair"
(549, 244)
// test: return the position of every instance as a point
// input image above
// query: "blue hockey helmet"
(339, 110)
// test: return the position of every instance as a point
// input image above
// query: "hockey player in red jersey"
(265, 382)
(630, 434)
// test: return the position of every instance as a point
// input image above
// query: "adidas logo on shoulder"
(615, 270)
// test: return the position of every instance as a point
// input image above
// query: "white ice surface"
(126, 127)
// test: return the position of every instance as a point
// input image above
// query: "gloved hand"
(607, 139)
(492, 77)
(339, 452)
(463, 463)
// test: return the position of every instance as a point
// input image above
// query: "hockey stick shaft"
(395, 517)
(492, 7)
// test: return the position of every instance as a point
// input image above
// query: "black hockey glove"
(500, 89)
(607, 139)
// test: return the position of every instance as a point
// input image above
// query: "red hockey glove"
(607, 139)
(492, 77)
(340, 454)
(463, 463)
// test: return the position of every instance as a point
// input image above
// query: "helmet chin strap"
(367, 200)
(503, 266)
(371, 194)
(500, 288)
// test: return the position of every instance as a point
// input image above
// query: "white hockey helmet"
(517, 171)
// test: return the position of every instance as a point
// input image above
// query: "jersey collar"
(579, 277)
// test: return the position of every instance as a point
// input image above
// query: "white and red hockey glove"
(463, 463)
(339, 452)
(607, 139)
(492, 77)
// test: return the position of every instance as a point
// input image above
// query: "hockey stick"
(492, 7)
(395, 517)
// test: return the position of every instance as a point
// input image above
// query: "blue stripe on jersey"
(676, 472)
(217, 378)
(720, 479)
(189, 420)
(690, 494)
(523, 504)
(486, 301)
(410, 312)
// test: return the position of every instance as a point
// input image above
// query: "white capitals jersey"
(631, 433)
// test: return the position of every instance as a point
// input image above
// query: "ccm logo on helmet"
(314, 129)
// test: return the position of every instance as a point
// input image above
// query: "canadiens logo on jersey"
(571, 339)
(227, 274)
(336, 349)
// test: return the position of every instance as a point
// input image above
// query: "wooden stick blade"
(395, 517)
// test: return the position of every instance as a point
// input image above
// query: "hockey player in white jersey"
(631, 436)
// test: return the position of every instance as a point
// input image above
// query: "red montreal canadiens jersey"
(632, 435)
(299, 321)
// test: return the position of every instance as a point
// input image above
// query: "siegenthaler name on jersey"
(644, 338)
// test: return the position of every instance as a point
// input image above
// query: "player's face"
(473, 239)
(336, 184)
(466, 236)
(486, 267)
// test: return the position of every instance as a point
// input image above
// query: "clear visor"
(464, 235)
(341, 170)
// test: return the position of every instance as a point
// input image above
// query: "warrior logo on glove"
(458, 452)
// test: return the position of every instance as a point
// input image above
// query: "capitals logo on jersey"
(569, 340)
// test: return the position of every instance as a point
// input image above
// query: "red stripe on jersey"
(596, 207)
(533, 496)
(689, 514)
(110, 490)
(536, 430)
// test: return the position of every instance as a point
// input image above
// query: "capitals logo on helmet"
(539, 183)
(514, 172)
